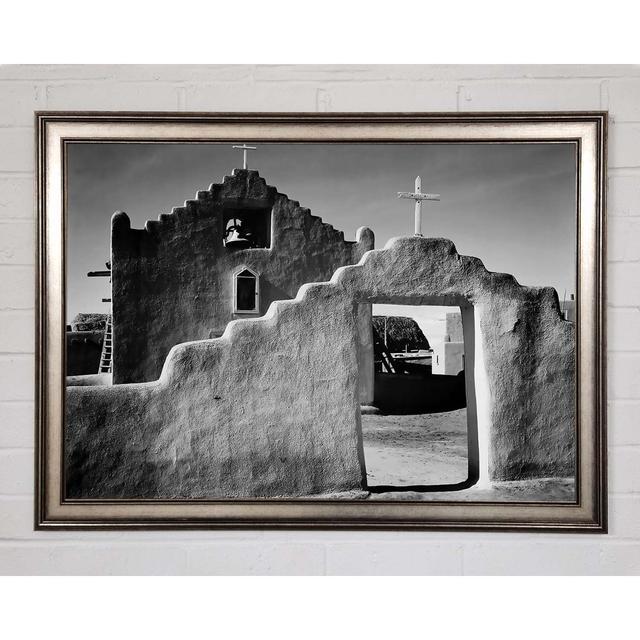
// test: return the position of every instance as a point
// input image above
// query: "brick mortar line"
(632, 353)
(7, 266)
(468, 82)
(185, 544)
(17, 264)
(634, 350)
(456, 543)
(612, 172)
(203, 536)
(169, 84)
(17, 353)
(628, 74)
(41, 538)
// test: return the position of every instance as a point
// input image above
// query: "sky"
(511, 205)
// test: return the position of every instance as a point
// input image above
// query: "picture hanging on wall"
(321, 320)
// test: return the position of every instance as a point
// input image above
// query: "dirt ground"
(420, 449)
(431, 449)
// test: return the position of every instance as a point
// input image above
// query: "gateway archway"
(406, 393)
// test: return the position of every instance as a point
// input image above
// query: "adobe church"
(227, 254)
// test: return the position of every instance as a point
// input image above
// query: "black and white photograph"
(321, 320)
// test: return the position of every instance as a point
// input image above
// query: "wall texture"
(346, 88)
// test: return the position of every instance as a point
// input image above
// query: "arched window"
(246, 291)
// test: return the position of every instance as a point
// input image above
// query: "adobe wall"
(448, 359)
(453, 327)
(84, 349)
(172, 281)
(271, 408)
(448, 356)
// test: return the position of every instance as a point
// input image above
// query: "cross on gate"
(418, 196)
(244, 148)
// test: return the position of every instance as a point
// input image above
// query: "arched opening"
(421, 432)
(246, 291)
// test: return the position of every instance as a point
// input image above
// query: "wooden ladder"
(107, 348)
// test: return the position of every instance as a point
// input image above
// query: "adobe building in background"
(448, 356)
(84, 340)
(225, 255)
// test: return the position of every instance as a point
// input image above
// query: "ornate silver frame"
(586, 129)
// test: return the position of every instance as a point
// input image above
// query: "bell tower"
(247, 225)
(247, 221)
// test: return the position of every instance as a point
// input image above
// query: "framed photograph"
(366, 321)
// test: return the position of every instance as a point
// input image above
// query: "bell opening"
(247, 228)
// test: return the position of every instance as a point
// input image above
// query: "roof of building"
(402, 333)
(89, 322)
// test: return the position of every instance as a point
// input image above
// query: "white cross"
(418, 196)
(244, 148)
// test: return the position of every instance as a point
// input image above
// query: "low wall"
(272, 407)
(89, 380)
(83, 352)
(417, 393)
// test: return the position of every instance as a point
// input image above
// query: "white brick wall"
(282, 88)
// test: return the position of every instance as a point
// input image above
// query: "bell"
(234, 234)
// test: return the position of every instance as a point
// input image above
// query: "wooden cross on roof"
(244, 148)
(418, 196)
